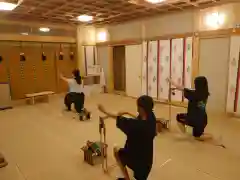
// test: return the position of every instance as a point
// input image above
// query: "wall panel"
(152, 68)
(177, 65)
(164, 69)
(233, 76)
(144, 67)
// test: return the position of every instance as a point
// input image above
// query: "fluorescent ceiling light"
(84, 18)
(44, 29)
(154, 1)
(5, 6)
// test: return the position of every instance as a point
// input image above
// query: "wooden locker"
(17, 82)
(65, 65)
(45, 68)
(32, 51)
(3, 63)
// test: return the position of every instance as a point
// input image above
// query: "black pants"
(197, 124)
(140, 172)
(75, 98)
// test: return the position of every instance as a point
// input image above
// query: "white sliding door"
(213, 63)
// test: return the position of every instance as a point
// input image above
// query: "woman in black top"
(137, 153)
(196, 115)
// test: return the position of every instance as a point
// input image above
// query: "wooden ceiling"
(103, 11)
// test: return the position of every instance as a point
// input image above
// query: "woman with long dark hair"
(140, 130)
(75, 94)
(196, 115)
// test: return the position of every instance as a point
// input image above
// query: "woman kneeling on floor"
(75, 95)
(137, 153)
(196, 115)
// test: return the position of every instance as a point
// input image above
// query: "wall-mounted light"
(215, 20)
(102, 36)
(6, 6)
(84, 18)
(44, 29)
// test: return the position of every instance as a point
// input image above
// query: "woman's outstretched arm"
(112, 115)
(176, 85)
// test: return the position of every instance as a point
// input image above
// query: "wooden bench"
(32, 96)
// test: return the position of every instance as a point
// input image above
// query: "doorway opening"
(119, 69)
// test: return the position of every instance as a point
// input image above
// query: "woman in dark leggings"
(75, 95)
(196, 115)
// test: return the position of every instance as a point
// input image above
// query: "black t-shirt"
(196, 106)
(140, 135)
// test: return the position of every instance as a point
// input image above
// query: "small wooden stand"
(162, 124)
(102, 131)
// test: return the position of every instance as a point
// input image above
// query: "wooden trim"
(32, 38)
(147, 59)
(195, 59)
(237, 85)
(236, 31)
(39, 24)
(110, 84)
(214, 33)
(200, 34)
(120, 43)
(85, 60)
(170, 36)
(83, 44)
(184, 65)
(158, 66)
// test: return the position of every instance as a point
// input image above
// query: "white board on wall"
(177, 66)
(164, 69)
(89, 57)
(144, 68)
(233, 74)
(152, 72)
(103, 58)
(133, 57)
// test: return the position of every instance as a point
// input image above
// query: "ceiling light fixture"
(6, 6)
(154, 1)
(44, 29)
(84, 18)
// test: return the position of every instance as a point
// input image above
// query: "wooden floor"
(42, 142)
